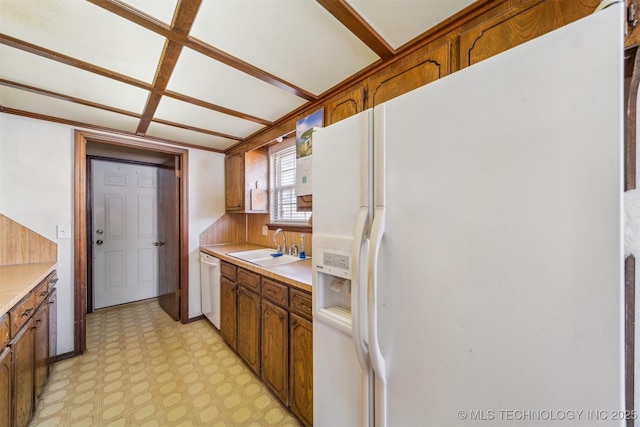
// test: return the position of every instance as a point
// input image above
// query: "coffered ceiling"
(204, 73)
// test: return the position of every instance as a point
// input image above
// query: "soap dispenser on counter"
(302, 252)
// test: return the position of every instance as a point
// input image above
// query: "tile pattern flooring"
(143, 369)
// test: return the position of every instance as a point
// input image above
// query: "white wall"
(36, 190)
(206, 205)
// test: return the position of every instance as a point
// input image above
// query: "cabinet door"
(249, 280)
(228, 311)
(41, 348)
(53, 327)
(344, 106)
(5, 387)
(249, 328)
(228, 270)
(275, 346)
(519, 25)
(300, 303)
(301, 369)
(22, 353)
(247, 181)
(21, 313)
(409, 74)
(234, 182)
(5, 330)
(256, 181)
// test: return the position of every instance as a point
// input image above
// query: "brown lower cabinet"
(53, 326)
(25, 359)
(301, 356)
(275, 344)
(249, 328)
(268, 323)
(41, 348)
(228, 312)
(22, 351)
(5, 387)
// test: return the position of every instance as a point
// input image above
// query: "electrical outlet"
(265, 230)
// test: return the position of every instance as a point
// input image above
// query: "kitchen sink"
(264, 257)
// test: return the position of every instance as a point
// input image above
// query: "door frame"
(81, 236)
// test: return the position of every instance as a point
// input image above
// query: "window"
(282, 191)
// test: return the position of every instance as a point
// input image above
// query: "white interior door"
(125, 232)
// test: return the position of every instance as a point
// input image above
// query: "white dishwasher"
(210, 287)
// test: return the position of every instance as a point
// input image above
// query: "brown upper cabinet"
(247, 181)
(408, 74)
(345, 105)
(519, 25)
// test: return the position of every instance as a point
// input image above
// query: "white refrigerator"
(468, 247)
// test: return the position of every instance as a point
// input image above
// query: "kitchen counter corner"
(16, 281)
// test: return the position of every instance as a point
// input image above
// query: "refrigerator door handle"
(359, 314)
(377, 359)
(359, 292)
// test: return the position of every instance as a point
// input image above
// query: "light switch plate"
(265, 230)
(63, 231)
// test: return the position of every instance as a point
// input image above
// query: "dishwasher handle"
(209, 260)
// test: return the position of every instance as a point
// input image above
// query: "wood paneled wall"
(254, 234)
(240, 228)
(20, 245)
(229, 228)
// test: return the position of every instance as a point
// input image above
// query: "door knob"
(99, 242)
(158, 244)
(99, 231)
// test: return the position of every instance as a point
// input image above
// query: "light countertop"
(16, 281)
(296, 274)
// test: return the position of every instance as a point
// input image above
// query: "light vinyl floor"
(142, 368)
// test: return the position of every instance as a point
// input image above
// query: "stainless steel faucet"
(284, 241)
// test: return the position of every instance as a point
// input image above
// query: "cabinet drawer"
(40, 292)
(274, 291)
(249, 280)
(21, 313)
(300, 303)
(228, 270)
(5, 331)
(52, 279)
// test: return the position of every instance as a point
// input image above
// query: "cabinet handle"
(43, 293)
(304, 306)
(27, 312)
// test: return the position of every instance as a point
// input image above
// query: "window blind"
(282, 191)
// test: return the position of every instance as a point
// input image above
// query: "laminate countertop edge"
(16, 281)
(297, 274)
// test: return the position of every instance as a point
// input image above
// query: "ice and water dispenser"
(332, 289)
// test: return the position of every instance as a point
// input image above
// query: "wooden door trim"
(80, 257)
(632, 63)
